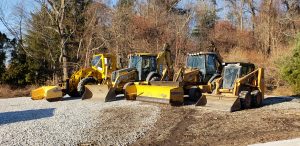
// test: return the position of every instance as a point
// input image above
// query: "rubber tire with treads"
(245, 98)
(152, 75)
(83, 82)
(125, 94)
(74, 94)
(194, 93)
(256, 98)
(155, 78)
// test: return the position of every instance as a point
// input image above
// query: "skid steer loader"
(195, 78)
(102, 66)
(240, 87)
(142, 67)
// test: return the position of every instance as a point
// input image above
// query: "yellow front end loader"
(192, 80)
(102, 66)
(240, 87)
(142, 67)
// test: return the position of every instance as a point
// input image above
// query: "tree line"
(60, 36)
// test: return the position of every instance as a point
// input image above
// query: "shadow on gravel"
(18, 116)
(277, 100)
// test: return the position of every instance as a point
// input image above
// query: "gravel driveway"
(77, 122)
(72, 122)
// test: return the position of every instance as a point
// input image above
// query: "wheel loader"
(102, 66)
(142, 67)
(241, 86)
(200, 71)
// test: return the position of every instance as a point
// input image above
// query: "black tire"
(151, 75)
(215, 76)
(256, 98)
(155, 78)
(194, 94)
(74, 94)
(125, 93)
(245, 98)
(83, 82)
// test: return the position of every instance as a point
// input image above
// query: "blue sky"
(8, 7)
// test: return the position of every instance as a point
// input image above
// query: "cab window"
(211, 64)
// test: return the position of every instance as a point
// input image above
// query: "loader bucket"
(220, 102)
(46, 92)
(99, 92)
(155, 93)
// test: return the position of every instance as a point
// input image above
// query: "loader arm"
(258, 81)
(165, 63)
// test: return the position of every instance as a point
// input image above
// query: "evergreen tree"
(4, 45)
(18, 68)
(290, 67)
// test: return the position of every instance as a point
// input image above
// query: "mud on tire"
(83, 82)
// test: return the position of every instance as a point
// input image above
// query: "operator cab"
(233, 71)
(144, 64)
(208, 63)
(103, 61)
(96, 62)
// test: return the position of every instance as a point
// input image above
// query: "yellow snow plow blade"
(155, 93)
(220, 102)
(99, 92)
(47, 92)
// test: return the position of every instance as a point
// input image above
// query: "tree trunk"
(268, 51)
(64, 59)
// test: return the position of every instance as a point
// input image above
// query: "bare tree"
(15, 26)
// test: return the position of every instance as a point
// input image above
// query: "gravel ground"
(77, 122)
(278, 119)
(72, 122)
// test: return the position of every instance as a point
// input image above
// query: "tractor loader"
(102, 66)
(142, 67)
(194, 79)
(240, 87)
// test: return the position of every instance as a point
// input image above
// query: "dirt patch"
(198, 126)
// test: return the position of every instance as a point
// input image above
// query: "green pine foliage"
(17, 69)
(4, 45)
(290, 67)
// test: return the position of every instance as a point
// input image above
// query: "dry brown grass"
(282, 91)
(9, 92)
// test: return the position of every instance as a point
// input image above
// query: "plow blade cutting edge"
(99, 92)
(220, 102)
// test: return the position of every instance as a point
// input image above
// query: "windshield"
(211, 66)
(230, 75)
(134, 61)
(96, 61)
(197, 61)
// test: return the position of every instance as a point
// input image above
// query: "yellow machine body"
(184, 79)
(234, 99)
(101, 68)
(47, 92)
(160, 94)
(161, 65)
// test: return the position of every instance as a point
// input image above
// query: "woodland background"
(46, 45)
